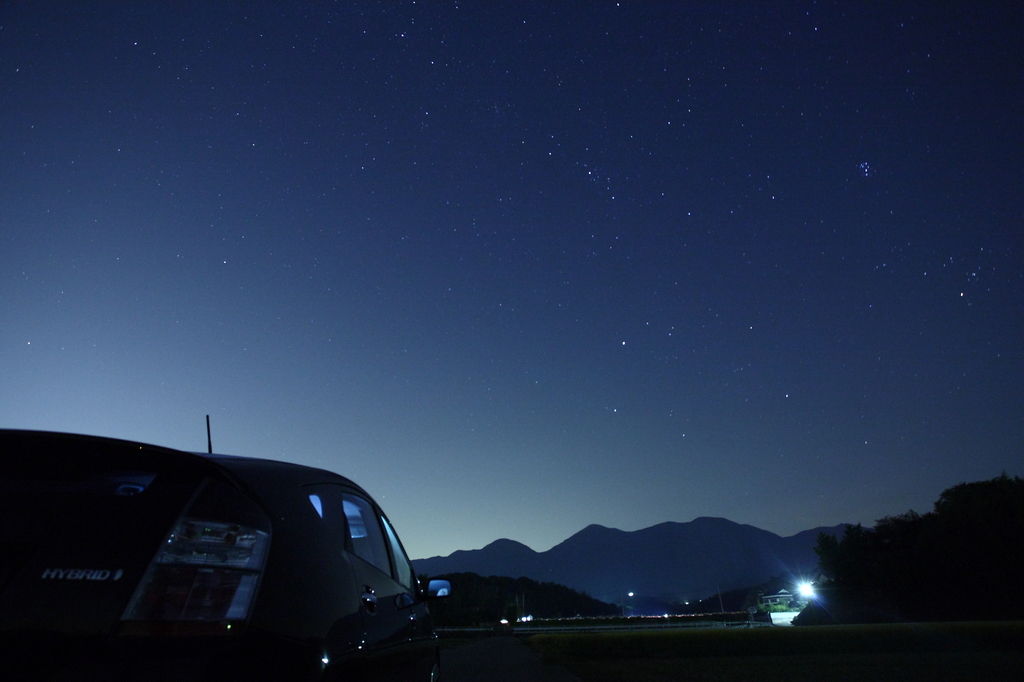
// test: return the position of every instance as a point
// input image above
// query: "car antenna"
(209, 441)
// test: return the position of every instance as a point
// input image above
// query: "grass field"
(880, 653)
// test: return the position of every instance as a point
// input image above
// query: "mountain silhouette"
(673, 562)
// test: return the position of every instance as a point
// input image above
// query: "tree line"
(960, 561)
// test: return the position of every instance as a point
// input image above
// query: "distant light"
(630, 594)
(806, 590)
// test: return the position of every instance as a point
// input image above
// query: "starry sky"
(520, 267)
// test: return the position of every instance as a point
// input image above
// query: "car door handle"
(369, 600)
(404, 600)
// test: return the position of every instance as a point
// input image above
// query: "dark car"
(124, 561)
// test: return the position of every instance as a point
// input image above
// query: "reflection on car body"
(127, 561)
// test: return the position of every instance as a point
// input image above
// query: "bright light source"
(806, 590)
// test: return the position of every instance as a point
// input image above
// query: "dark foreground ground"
(499, 659)
(896, 653)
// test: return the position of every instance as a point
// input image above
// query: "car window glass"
(364, 532)
(403, 569)
(326, 502)
(317, 504)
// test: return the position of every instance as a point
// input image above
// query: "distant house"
(782, 597)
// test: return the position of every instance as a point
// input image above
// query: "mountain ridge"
(672, 561)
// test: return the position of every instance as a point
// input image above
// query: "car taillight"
(207, 569)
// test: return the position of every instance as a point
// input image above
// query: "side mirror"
(438, 588)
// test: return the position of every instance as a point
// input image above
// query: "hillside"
(670, 561)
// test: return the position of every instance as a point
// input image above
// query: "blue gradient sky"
(517, 268)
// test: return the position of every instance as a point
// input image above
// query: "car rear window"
(103, 483)
(81, 521)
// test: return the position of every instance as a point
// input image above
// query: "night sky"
(521, 267)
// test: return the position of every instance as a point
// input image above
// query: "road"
(499, 659)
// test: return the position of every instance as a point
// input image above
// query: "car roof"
(257, 470)
(258, 473)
